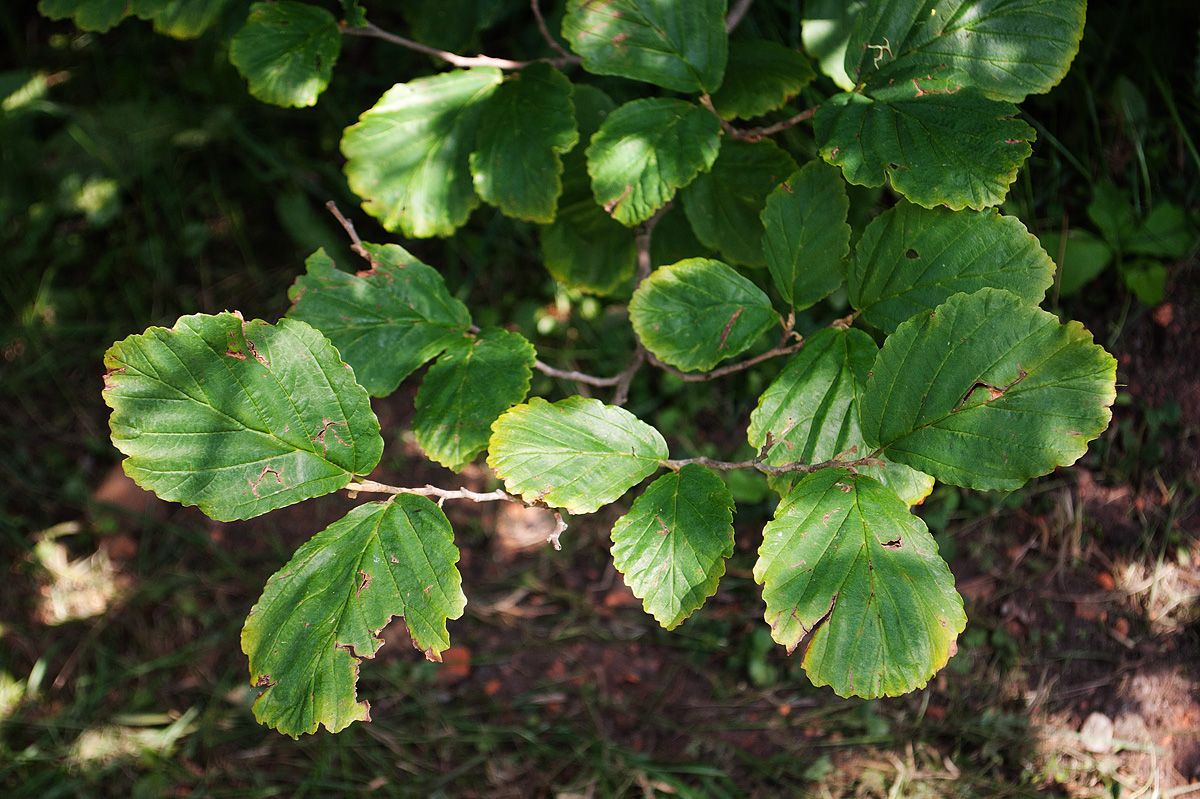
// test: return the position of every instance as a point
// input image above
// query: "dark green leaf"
(724, 204)
(88, 15)
(1007, 48)
(940, 141)
(811, 409)
(1166, 233)
(586, 248)
(236, 417)
(698, 312)
(1146, 279)
(386, 322)
(408, 156)
(320, 615)
(911, 259)
(987, 392)
(578, 453)
(1082, 258)
(527, 124)
(672, 544)
(760, 77)
(183, 19)
(1112, 213)
(474, 381)
(825, 30)
(680, 46)
(286, 51)
(806, 237)
(645, 151)
(847, 567)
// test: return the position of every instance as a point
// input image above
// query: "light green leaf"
(236, 417)
(940, 141)
(578, 453)
(320, 615)
(672, 544)
(527, 124)
(474, 381)
(586, 248)
(760, 77)
(724, 204)
(825, 31)
(645, 151)
(680, 46)
(987, 392)
(811, 409)
(1007, 48)
(286, 51)
(698, 312)
(845, 565)
(1082, 258)
(386, 322)
(408, 156)
(911, 259)
(806, 237)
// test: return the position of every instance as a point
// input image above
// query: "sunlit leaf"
(680, 46)
(825, 30)
(986, 391)
(645, 151)
(845, 566)
(386, 322)
(578, 453)
(320, 615)
(408, 156)
(286, 51)
(236, 417)
(526, 126)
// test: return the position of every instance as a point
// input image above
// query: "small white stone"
(1096, 734)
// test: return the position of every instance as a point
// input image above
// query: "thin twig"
(625, 379)
(541, 23)
(355, 242)
(693, 377)
(707, 102)
(755, 134)
(372, 487)
(642, 241)
(734, 17)
(578, 377)
(757, 463)
(372, 31)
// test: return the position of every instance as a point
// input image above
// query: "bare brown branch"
(372, 31)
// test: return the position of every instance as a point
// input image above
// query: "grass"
(572, 691)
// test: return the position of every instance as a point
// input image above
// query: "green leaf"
(320, 615)
(386, 322)
(698, 312)
(680, 46)
(585, 248)
(811, 409)
(672, 544)
(845, 565)
(527, 124)
(1111, 212)
(236, 417)
(356, 15)
(987, 392)
(1147, 279)
(940, 141)
(408, 156)
(1007, 48)
(825, 30)
(911, 259)
(578, 454)
(1082, 258)
(89, 15)
(182, 19)
(806, 238)
(474, 381)
(1166, 233)
(286, 51)
(760, 77)
(645, 151)
(724, 204)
